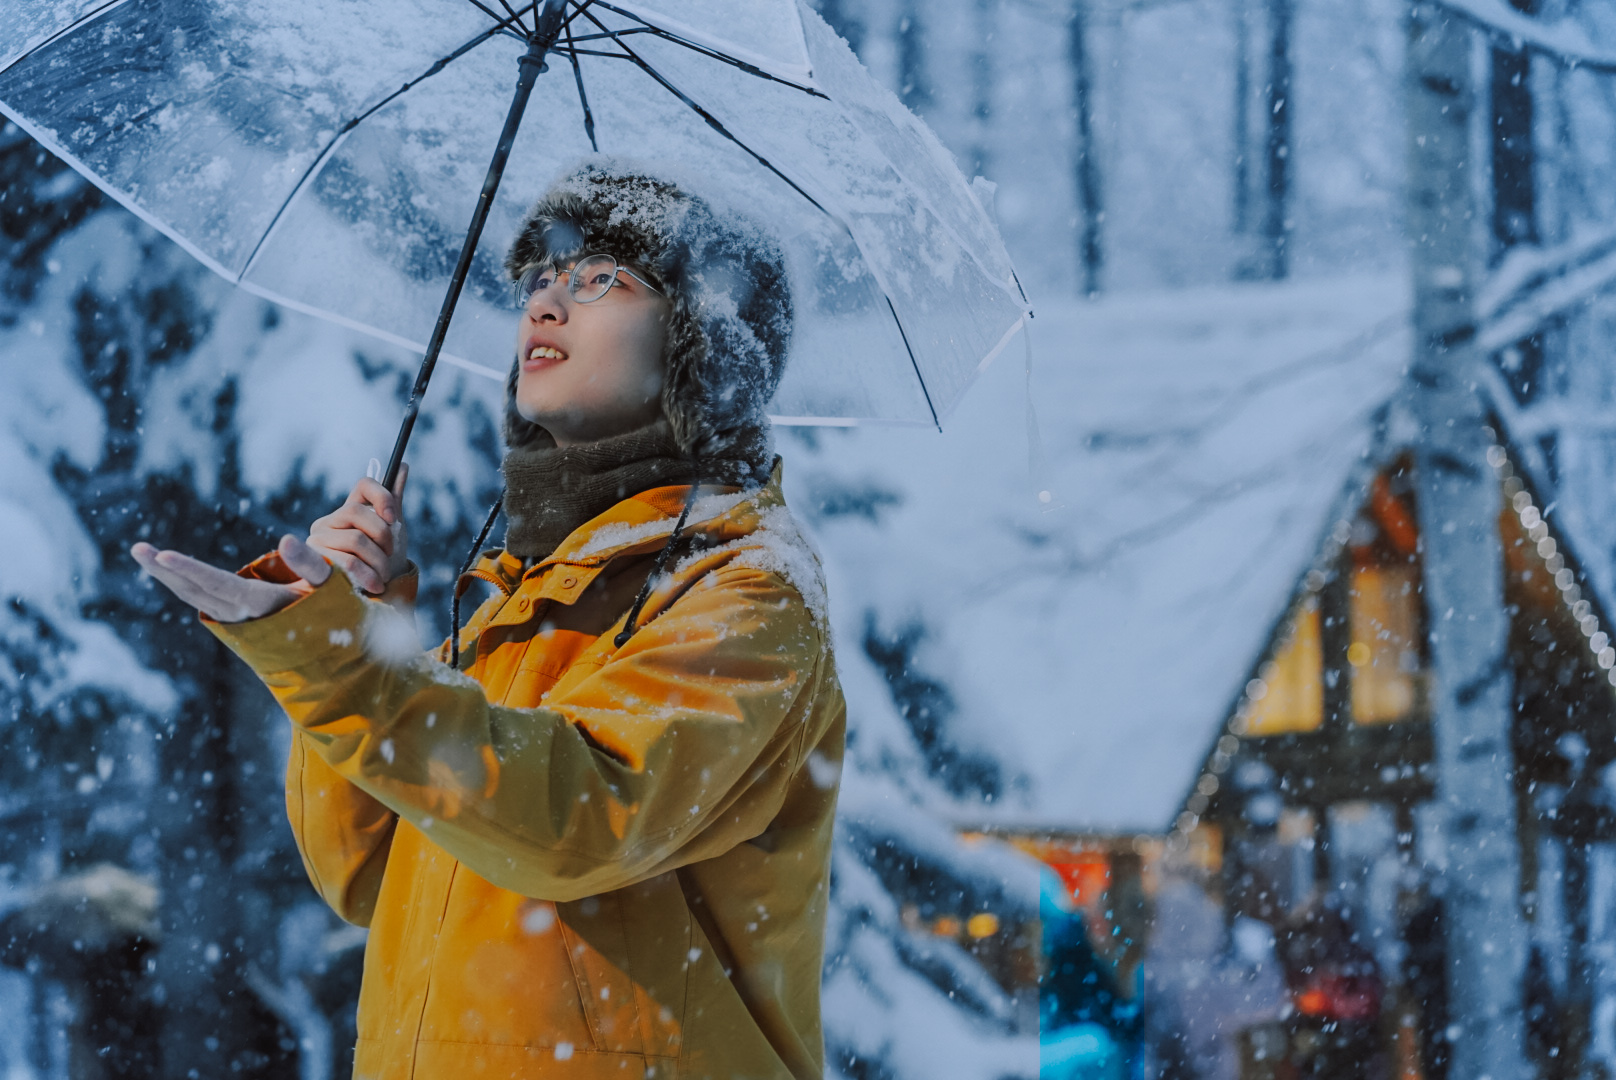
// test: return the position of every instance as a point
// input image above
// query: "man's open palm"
(229, 598)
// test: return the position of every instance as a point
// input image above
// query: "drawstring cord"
(640, 598)
(661, 564)
(454, 605)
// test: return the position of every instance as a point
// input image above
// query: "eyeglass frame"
(572, 286)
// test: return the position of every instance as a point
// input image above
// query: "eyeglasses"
(590, 278)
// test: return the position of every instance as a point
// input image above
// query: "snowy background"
(1043, 613)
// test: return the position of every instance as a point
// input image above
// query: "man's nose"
(546, 305)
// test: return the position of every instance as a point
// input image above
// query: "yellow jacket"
(574, 860)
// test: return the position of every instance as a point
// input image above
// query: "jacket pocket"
(500, 972)
(548, 657)
(630, 951)
(593, 931)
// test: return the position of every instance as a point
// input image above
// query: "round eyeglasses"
(590, 278)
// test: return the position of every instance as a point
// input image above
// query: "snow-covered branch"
(1535, 284)
(1563, 42)
(297, 1009)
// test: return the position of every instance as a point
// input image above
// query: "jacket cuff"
(400, 592)
(269, 568)
(314, 634)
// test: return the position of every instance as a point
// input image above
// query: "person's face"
(590, 371)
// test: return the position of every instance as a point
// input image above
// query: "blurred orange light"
(1087, 877)
(1313, 1002)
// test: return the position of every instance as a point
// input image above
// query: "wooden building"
(1319, 788)
(1316, 792)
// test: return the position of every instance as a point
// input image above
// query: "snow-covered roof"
(1193, 447)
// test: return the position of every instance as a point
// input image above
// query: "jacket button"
(568, 582)
(522, 603)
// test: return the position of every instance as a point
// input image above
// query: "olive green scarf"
(550, 490)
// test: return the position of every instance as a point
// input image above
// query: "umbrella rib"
(924, 389)
(712, 121)
(331, 144)
(603, 37)
(579, 9)
(87, 17)
(514, 16)
(583, 98)
(504, 24)
(1017, 279)
(718, 126)
(750, 69)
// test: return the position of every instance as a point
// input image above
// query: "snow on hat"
(724, 275)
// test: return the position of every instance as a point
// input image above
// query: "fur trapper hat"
(725, 277)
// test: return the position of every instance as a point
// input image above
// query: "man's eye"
(602, 278)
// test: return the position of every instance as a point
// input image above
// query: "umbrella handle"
(548, 28)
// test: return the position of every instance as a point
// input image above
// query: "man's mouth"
(545, 352)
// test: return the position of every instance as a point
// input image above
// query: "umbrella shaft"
(532, 63)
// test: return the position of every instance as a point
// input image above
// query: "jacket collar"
(642, 524)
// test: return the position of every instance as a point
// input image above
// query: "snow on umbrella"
(323, 153)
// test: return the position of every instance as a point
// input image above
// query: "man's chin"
(545, 415)
(564, 425)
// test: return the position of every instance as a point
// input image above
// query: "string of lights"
(1597, 639)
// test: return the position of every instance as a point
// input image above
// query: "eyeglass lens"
(587, 281)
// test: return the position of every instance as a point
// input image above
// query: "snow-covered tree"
(144, 399)
(901, 1002)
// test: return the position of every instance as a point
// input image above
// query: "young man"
(595, 843)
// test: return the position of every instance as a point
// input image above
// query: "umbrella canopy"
(326, 155)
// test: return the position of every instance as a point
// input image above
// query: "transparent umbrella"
(323, 154)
